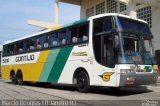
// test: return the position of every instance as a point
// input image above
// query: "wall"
(85, 4)
(156, 27)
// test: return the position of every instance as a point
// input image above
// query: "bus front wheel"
(19, 78)
(83, 82)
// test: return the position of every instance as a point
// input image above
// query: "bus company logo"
(106, 76)
(5, 60)
(79, 54)
(25, 58)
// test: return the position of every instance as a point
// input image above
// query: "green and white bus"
(110, 50)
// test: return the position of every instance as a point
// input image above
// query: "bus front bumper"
(138, 79)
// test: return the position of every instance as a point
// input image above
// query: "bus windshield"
(118, 40)
(137, 27)
(136, 50)
(135, 42)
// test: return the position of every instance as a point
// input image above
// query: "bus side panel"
(48, 65)
(5, 72)
(36, 69)
(56, 65)
(30, 71)
(79, 57)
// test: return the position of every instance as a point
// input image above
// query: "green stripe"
(48, 65)
(59, 64)
(76, 22)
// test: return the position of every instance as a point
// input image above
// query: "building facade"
(148, 10)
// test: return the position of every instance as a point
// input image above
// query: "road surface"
(101, 96)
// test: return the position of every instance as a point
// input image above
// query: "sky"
(14, 15)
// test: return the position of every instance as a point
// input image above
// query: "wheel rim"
(82, 81)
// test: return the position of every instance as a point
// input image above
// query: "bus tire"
(19, 78)
(13, 77)
(83, 82)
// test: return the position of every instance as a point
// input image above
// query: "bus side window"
(59, 38)
(5, 50)
(74, 38)
(46, 40)
(11, 47)
(26, 46)
(15, 51)
(83, 33)
(59, 41)
(20, 49)
(79, 33)
(102, 25)
(32, 44)
(63, 37)
(8, 51)
(53, 39)
(17, 48)
(68, 36)
(39, 42)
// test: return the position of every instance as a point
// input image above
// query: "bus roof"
(73, 23)
(116, 14)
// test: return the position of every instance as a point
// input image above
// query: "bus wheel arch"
(81, 79)
(13, 76)
(19, 77)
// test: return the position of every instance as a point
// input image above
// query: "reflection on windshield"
(134, 26)
(136, 50)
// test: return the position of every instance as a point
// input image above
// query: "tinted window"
(46, 41)
(54, 41)
(11, 48)
(39, 42)
(20, 47)
(79, 33)
(75, 34)
(83, 33)
(73, 31)
(102, 25)
(134, 26)
(62, 37)
(32, 44)
(26, 45)
(5, 50)
(68, 35)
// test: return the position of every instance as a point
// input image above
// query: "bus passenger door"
(107, 51)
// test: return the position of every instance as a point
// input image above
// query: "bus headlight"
(127, 71)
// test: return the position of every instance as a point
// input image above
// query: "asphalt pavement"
(100, 96)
